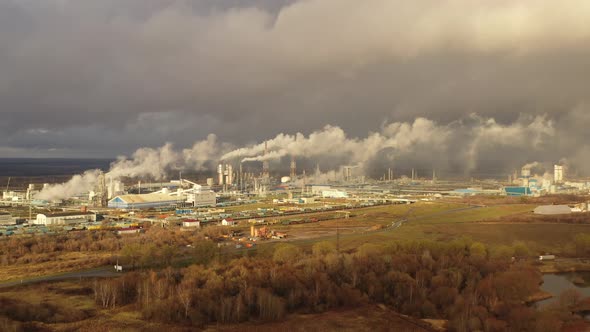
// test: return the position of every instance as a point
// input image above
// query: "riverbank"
(564, 266)
(539, 296)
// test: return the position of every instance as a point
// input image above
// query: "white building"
(6, 218)
(114, 188)
(334, 193)
(228, 222)
(553, 209)
(13, 196)
(145, 201)
(64, 218)
(191, 223)
(317, 190)
(200, 197)
(558, 174)
(129, 230)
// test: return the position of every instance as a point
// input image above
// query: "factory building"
(114, 188)
(201, 198)
(145, 201)
(317, 190)
(517, 191)
(334, 193)
(558, 174)
(64, 218)
(6, 218)
(225, 174)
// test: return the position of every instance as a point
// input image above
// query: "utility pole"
(337, 236)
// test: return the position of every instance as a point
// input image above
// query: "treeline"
(574, 218)
(43, 248)
(461, 281)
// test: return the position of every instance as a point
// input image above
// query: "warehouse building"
(145, 201)
(201, 198)
(64, 218)
(518, 191)
(334, 193)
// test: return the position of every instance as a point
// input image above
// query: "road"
(102, 272)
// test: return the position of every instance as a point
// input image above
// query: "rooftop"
(147, 198)
(67, 214)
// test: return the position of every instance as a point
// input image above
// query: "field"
(53, 263)
(493, 225)
(369, 318)
(500, 222)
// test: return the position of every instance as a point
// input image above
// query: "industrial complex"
(194, 204)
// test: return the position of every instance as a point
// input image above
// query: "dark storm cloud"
(105, 77)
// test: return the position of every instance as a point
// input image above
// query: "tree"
(167, 253)
(502, 252)
(323, 248)
(478, 249)
(582, 243)
(132, 252)
(521, 250)
(204, 252)
(286, 253)
(184, 292)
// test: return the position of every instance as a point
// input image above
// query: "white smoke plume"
(460, 140)
(145, 162)
(154, 163)
(465, 141)
(77, 185)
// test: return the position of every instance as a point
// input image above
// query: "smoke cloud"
(77, 185)
(460, 142)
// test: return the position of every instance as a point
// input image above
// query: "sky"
(86, 78)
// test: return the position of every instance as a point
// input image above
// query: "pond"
(555, 284)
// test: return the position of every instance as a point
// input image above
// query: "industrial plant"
(183, 201)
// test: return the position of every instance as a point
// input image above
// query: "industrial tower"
(293, 173)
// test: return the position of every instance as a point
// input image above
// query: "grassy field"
(487, 213)
(539, 238)
(442, 222)
(53, 263)
(368, 318)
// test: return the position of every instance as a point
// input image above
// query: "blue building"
(517, 191)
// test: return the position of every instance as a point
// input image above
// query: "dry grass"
(62, 262)
(369, 318)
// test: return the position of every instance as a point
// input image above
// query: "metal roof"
(553, 209)
(66, 214)
(147, 198)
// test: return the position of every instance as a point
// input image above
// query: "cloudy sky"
(90, 78)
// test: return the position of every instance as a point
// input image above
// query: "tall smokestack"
(220, 174)
(265, 168)
(230, 174)
(293, 168)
